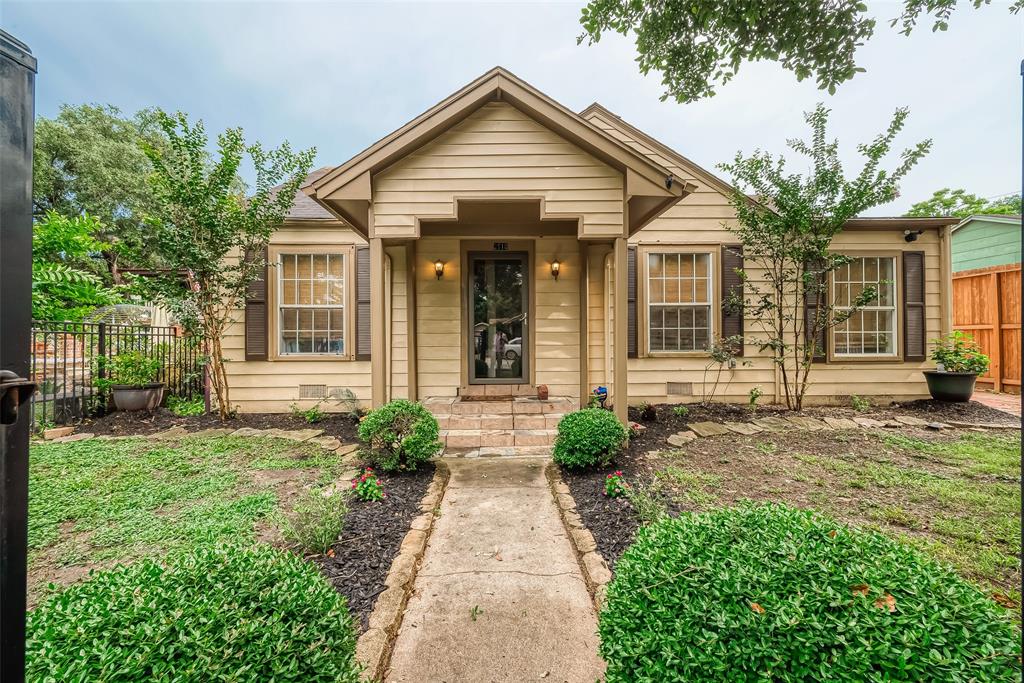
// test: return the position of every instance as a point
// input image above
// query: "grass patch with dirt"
(954, 495)
(96, 503)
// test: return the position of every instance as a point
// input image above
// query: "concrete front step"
(444, 407)
(499, 451)
(488, 422)
(477, 438)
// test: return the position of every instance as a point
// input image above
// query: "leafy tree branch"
(787, 230)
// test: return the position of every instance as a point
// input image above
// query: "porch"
(493, 426)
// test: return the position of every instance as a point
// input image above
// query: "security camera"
(911, 235)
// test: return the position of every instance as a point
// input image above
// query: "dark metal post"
(17, 124)
(101, 366)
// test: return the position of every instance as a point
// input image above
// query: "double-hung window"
(311, 303)
(871, 329)
(679, 293)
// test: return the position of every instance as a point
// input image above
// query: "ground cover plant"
(227, 613)
(768, 591)
(93, 503)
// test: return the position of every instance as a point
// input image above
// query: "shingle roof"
(304, 208)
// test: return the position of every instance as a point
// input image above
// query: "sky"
(338, 76)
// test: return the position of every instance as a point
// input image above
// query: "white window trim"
(895, 308)
(711, 290)
(280, 305)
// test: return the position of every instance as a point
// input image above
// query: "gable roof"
(699, 172)
(304, 208)
(345, 190)
(991, 217)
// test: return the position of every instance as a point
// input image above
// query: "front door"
(498, 334)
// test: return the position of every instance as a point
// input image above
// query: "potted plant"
(130, 376)
(958, 363)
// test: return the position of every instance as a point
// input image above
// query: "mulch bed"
(129, 423)
(613, 521)
(373, 533)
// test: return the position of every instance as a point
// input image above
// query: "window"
(311, 303)
(871, 331)
(678, 302)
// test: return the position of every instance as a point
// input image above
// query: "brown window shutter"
(914, 343)
(256, 312)
(810, 311)
(362, 303)
(732, 285)
(631, 319)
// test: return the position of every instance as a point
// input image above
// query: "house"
(984, 241)
(986, 293)
(499, 241)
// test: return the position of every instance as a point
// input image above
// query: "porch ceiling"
(346, 190)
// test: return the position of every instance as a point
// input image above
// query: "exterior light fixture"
(555, 268)
(439, 268)
(912, 235)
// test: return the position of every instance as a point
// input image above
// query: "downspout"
(609, 281)
(388, 303)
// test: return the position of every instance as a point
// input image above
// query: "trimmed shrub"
(588, 438)
(316, 520)
(768, 592)
(400, 436)
(217, 614)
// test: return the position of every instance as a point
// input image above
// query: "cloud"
(339, 76)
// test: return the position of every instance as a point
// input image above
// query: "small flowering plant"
(367, 486)
(615, 485)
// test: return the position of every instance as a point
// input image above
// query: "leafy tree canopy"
(67, 267)
(960, 203)
(205, 226)
(696, 45)
(89, 159)
(786, 238)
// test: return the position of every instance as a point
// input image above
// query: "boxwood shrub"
(768, 592)
(588, 438)
(216, 614)
(400, 435)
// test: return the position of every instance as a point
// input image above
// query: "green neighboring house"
(983, 241)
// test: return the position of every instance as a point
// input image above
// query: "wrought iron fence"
(64, 365)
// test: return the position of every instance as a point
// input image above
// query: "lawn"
(96, 503)
(955, 495)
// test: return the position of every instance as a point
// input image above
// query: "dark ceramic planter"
(138, 397)
(955, 387)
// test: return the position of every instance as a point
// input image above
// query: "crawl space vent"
(679, 389)
(312, 391)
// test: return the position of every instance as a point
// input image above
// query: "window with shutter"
(870, 331)
(732, 294)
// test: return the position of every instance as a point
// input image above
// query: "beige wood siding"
(698, 221)
(438, 318)
(273, 385)
(557, 316)
(497, 152)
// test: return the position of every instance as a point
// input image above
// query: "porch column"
(584, 322)
(621, 335)
(410, 318)
(378, 344)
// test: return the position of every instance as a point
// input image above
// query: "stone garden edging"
(774, 423)
(595, 570)
(373, 649)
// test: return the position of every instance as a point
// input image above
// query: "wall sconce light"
(555, 268)
(439, 268)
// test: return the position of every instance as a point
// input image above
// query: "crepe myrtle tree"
(787, 231)
(205, 227)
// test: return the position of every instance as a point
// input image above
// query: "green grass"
(955, 496)
(97, 502)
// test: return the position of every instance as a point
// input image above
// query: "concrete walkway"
(500, 595)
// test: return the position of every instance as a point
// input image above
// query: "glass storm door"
(498, 334)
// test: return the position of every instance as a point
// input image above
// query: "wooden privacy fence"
(986, 304)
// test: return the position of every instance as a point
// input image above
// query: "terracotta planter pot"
(955, 387)
(542, 392)
(142, 397)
